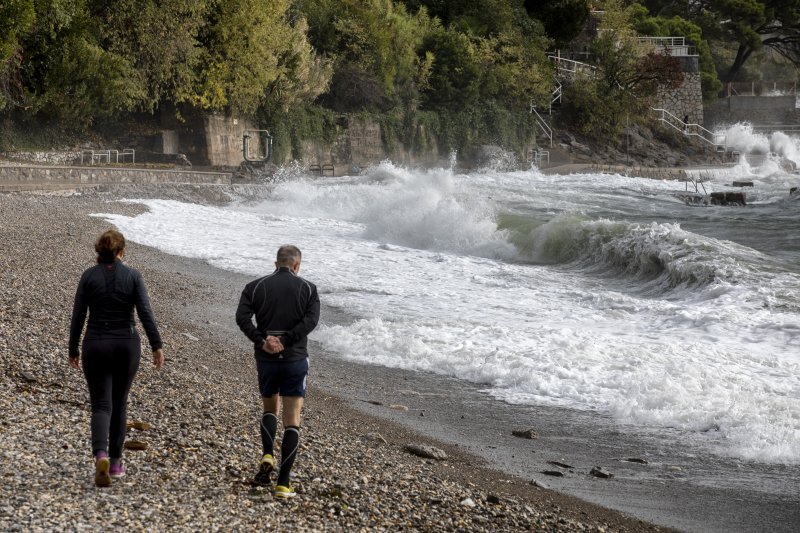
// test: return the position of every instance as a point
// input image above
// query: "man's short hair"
(288, 255)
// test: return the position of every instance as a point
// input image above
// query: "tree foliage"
(679, 26)
(16, 16)
(375, 46)
(433, 66)
(158, 38)
(627, 79)
(563, 20)
(89, 59)
(252, 52)
(748, 25)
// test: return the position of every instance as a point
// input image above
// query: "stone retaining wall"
(89, 175)
(659, 173)
(685, 102)
(46, 158)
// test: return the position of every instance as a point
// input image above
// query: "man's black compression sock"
(269, 426)
(289, 447)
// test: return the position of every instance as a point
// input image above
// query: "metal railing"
(691, 129)
(760, 88)
(555, 95)
(538, 156)
(323, 170)
(542, 123)
(570, 67)
(663, 41)
(263, 150)
(673, 46)
(106, 156)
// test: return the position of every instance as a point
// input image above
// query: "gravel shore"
(353, 472)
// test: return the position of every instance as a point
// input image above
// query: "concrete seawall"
(30, 177)
(660, 173)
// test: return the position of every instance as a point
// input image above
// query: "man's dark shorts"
(285, 377)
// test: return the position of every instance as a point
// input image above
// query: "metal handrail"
(570, 66)
(690, 129)
(265, 154)
(556, 94)
(663, 41)
(542, 123)
(128, 152)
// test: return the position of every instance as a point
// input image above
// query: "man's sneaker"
(101, 470)
(265, 470)
(117, 470)
(284, 491)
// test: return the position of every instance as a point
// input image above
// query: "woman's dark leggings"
(109, 365)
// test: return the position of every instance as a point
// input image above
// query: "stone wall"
(47, 158)
(685, 102)
(758, 110)
(212, 140)
(224, 140)
(86, 175)
(359, 145)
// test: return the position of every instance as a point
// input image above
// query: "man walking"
(286, 308)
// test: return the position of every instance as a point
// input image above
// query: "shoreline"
(204, 296)
(203, 447)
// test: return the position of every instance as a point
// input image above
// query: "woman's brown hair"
(109, 245)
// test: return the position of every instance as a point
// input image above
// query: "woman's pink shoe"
(117, 470)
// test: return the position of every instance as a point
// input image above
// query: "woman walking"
(111, 347)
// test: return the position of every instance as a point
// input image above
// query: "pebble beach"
(197, 418)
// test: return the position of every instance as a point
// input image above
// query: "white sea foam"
(432, 283)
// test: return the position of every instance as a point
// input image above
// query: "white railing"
(570, 67)
(663, 41)
(673, 46)
(555, 95)
(537, 157)
(128, 152)
(542, 123)
(100, 156)
(691, 129)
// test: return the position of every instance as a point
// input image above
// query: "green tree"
(455, 75)
(375, 46)
(627, 79)
(476, 18)
(563, 20)
(678, 26)
(67, 75)
(159, 38)
(749, 25)
(16, 16)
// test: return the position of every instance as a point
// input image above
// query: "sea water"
(596, 292)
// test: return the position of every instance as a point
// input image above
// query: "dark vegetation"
(444, 73)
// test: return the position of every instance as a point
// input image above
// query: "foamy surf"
(591, 297)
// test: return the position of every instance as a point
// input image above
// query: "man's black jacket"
(286, 306)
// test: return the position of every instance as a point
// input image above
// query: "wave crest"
(664, 255)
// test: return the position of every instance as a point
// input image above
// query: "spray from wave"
(427, 210)
(436, 210)
(743, 138)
